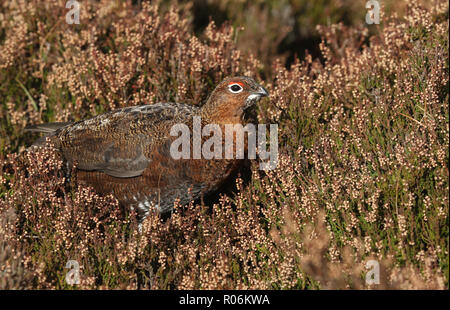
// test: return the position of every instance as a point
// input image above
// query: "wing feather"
(120, 143)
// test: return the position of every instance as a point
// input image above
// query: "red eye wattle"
(240, 83)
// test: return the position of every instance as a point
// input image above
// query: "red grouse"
(126, 152)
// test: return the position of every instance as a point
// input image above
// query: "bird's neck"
(222, 113)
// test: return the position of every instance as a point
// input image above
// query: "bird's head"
(231, 98)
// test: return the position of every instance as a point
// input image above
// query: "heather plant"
(363, 140)
(285, 28)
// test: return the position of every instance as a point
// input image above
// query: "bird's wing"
(120, 143)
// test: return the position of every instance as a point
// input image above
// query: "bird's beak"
(262, 92)
(255, 96)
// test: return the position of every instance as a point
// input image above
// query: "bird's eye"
(235, 88)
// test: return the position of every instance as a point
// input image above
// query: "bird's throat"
(225, 114)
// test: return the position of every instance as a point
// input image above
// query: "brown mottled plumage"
(126, 152)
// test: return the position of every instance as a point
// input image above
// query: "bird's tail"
(48, 129)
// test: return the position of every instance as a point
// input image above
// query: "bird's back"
(120, 143)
